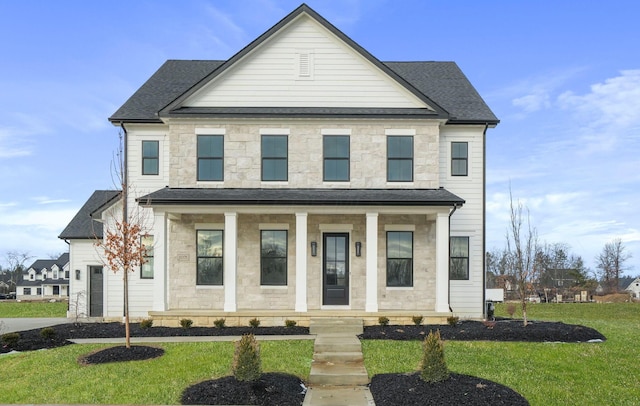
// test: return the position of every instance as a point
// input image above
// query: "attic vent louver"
(305, 65)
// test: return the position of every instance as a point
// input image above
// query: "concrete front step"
(338, 357)
(334, 325)
(341, 374)
(337, 343)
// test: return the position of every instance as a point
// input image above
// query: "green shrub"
(47, 333)
(254, 322)
(383, 321)
(186, 323)
(417, 320)
(246, 359)
(453, 320)
(10, 339)
(290, 323)
(219, 323)
(146, 323)
(433, 367)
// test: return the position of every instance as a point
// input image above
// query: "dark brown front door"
(335, 269)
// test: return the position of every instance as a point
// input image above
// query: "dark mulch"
(33, 340)
(122, 353)
(501, 330)
(270, 389)
(410, 389)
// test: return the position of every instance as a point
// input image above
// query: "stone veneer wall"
(242, 155)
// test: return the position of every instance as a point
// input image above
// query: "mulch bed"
(122, 353)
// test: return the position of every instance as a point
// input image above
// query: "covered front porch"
(343, 253)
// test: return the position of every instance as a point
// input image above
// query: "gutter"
(484, 220)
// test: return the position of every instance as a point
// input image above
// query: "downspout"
(484, 220)
(455, 207)
(125, 210)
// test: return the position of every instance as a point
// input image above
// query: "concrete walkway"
(10, 325)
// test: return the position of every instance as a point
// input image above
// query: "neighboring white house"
(634, 288)
(45, 279)
(301, 178)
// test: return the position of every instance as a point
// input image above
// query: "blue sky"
(563, 77)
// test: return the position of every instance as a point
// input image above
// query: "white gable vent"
(304, 65)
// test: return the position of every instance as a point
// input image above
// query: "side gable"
(82, 226)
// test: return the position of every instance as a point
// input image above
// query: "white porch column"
(230, 258)
(442, 262)
(159, 261)
(371, 247)
(301, 262)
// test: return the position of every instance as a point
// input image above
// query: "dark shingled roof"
(82, 226)
(298, 197)
(440, 84)
(41, 264)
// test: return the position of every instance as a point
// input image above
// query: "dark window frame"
(214, 158)
(217, 257)
(399, 157)
(390, 260)
(148, 265)
(459, 159)
(272, 158)
(464, 267)
(285, 257)
(329, 159)
(150, 158)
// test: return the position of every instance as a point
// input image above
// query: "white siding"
(82, 254)
(466, 296)
(269, 75)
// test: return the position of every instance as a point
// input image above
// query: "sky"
(562, 76)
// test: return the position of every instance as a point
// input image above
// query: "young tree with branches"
(611, 263)
(522, 246)
(122, 240)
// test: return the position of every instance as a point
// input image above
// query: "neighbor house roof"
(82, 226)
(318, 197)
(441, 85)
(41, 264)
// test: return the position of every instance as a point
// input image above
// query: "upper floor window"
(55, 274)
(146, 269)
(399, 258)
(66, 274)
(400, 158)
(459, 158)
(273, 257)
(459, 258)
(274, 157)
(209, 253)
(211, 157)
(150, 157)
(336, 158)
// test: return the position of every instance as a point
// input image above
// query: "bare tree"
(522, 246)
(122, 239)
(611, 263)
(16, 261)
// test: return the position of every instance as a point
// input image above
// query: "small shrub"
(146, 323)
(290, 323)
(453, 320)
(246, 359)
(186, 323)
(383, 321)
(219, 323)
(254, 322)
(511, 309)
(433, 367)
(47, 333)
(417, 320)
(10, 339)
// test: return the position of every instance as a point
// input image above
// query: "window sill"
(215, 287)
(399, 287)
(276, 287)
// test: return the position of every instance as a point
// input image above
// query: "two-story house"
(45, 279)
(301, 178)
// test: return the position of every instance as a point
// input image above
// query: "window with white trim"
(459, 258)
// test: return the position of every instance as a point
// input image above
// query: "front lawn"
(545, 373)
(54, 376)
(15, 309)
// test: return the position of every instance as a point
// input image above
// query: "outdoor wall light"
(314, 248)
(77, 274)
(358, 248)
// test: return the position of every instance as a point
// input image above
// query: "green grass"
(60, 379)
(33, 309)
(545, 373)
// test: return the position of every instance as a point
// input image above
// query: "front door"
(95, 291)
(335, 269)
